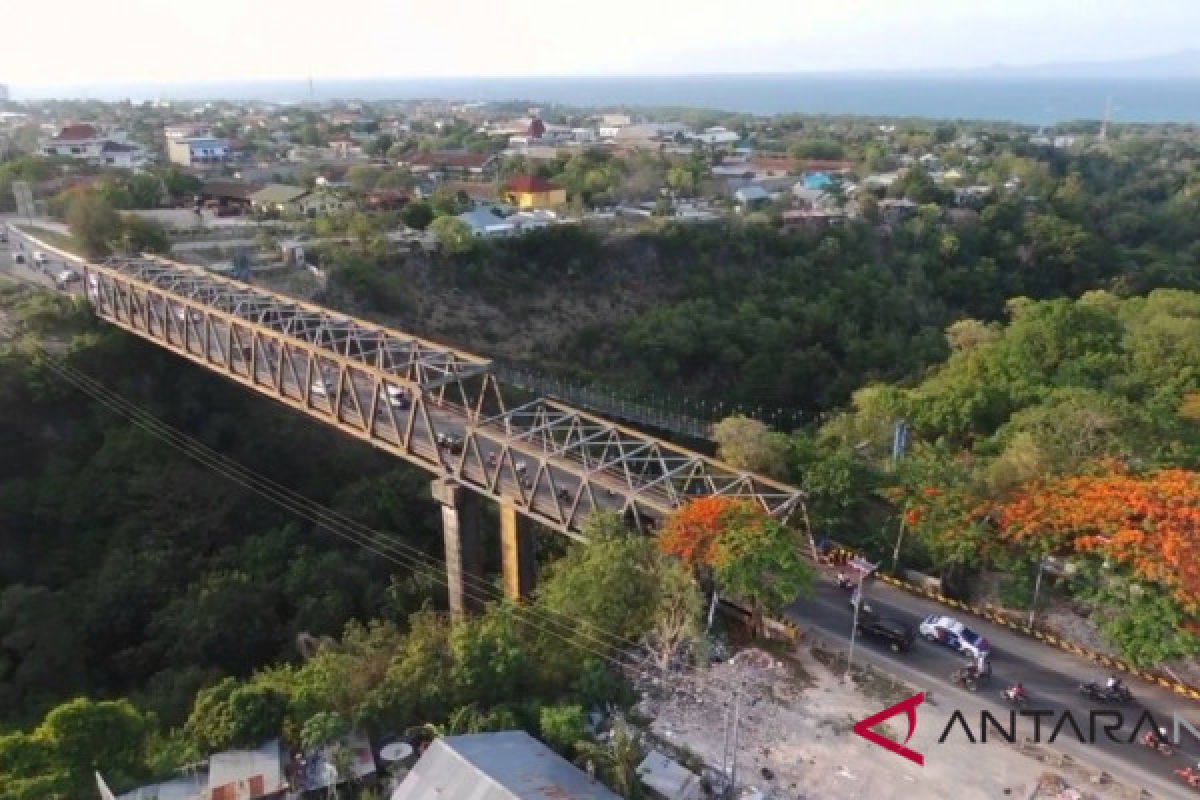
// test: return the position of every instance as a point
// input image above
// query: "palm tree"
(618, 759)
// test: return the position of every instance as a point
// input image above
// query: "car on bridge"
(898, 636)
(397, 396)
(955, 635)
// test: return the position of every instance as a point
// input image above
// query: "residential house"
(233, 775)
(772, 166)
(740, 170)
(191, 787)
(197, 151)
(75, 141)
(344, 147)
(817, 180)
(749, 198)
(280, 198)
(228, 198)
(186, 130)
(832, 166)
(385, 199)
(615, 120)
(527, 191)
(246, 774)
(119, 154)
(650, 132)
(716, 136)
(880, 181)
(812, 199)
(451, 164)
(496, 220)
(488, 222)
(86, 143)
(509, 765)
(812, 219)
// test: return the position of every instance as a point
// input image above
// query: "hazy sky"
(87, 42)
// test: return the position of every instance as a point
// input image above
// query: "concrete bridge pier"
(518, 552)
(464, 546)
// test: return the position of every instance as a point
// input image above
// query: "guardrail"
(838, 555)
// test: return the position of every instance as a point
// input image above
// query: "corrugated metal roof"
(510, 765)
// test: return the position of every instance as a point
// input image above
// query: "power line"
(368, 538)
(374, 541)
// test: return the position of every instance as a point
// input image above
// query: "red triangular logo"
(909, 707)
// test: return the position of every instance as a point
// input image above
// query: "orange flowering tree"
(1147, 525)
(752, 556)
(1150, 523)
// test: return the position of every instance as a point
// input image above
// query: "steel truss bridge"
(439, 408)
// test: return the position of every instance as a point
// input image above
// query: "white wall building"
(197, 151)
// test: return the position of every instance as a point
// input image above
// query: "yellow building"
(526, 191)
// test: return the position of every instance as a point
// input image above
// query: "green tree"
(761, 563)
(322, 728)
(417, 215)
(141, 235)
(750, 445)
(617, 759)
(453, 235)
(93, 223)
(230, 714)
(88, 736)
(562, 726)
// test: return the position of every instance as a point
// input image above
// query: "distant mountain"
(1184, 64)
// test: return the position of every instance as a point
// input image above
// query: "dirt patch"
(796, 738)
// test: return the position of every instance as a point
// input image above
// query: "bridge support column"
(518, 552)
(464, 550)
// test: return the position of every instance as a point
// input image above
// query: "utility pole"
(1037, 587)
(899, 539)
(863, 567)
(737, 708)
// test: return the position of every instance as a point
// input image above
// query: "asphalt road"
(1051, 676)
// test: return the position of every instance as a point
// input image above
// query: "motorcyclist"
(1016, 691)
(1113, 683)
(842, 580)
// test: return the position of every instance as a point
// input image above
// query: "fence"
(681, 415)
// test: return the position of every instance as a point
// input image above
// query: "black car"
(898, 635)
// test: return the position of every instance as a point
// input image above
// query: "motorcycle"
(1103, 694)
(1189, 776)
(966, 677)
(1157, 743)
(1018, 697)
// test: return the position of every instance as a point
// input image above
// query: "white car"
(322, 388)
(396, 396)
(955, 635)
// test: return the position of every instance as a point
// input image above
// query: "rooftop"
(76, 133)
(510, 765)
(530, 183)
(275, 193)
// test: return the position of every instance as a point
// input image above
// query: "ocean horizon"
(1032, 101)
